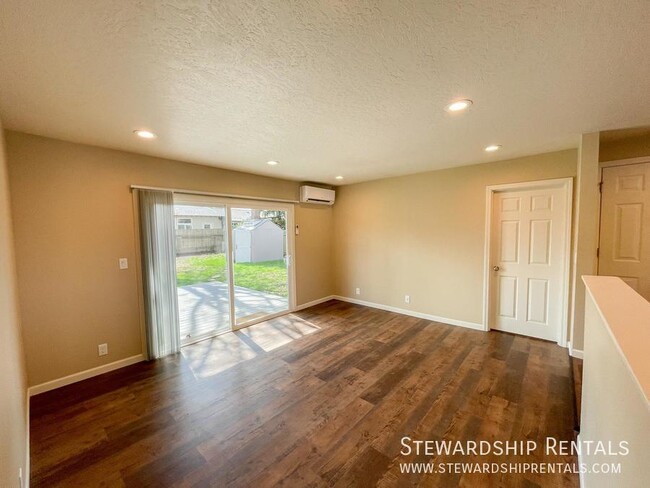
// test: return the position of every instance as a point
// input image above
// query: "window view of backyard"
(259, 269)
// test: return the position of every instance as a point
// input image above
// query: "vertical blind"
(159, 272)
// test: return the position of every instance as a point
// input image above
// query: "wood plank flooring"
(576, 373)
(322, 397)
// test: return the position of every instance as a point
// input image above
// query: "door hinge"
(597, 252)
(600, 187)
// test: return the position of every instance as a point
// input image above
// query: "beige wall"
(423, 235)
(73, 213)
(74, 218)
(625, 148)
(616, 381)
(13, 387)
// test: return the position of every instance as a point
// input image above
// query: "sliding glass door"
(233, 264)
(201, 269)
(260, 262)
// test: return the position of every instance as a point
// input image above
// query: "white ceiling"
(326, 87)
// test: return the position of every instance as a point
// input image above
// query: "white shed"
(258, 240)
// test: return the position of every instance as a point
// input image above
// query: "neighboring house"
(258, 240)
(198, 217)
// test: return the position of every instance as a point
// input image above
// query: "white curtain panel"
(159, 272)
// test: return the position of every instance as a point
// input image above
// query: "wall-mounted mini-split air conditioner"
(313, 194)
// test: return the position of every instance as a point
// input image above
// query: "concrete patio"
(204, 308)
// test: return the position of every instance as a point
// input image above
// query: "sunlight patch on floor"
(210, 357)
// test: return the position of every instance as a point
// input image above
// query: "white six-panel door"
(625, 226)
(528, 243)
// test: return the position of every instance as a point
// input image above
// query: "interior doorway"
(233, 263)
(527, 258)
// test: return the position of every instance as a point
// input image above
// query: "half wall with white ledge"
(615, 418)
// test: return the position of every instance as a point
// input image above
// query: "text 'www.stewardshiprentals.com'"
(505, 468)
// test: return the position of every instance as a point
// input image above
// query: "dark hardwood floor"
(576, 373)
(322, 397)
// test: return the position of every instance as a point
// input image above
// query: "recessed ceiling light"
(145, 134)
(339, 177)
(272, 163)
(458, 105)
(492, 147)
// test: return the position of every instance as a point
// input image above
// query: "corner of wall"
(14, 401)
(585, 230)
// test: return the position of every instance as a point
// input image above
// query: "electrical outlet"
(124, 263)
(357, 291)
(102, 349)
(407, 298)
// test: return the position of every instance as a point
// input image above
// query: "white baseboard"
(83, 375)
(313, 303)
(576, 353)
(412, 313)
(26, 469)
(581, 478)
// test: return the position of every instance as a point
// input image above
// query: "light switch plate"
(124, 263)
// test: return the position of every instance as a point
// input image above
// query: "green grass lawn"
(267, 276)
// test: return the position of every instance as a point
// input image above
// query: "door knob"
(496, 268)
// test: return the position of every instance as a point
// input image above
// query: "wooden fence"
(199, 241)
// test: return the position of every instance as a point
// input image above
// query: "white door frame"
(567, 185)
(624, 162)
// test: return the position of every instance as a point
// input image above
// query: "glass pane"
(201, 270)
(260, 269)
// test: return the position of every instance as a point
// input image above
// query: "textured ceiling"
(326, 87)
